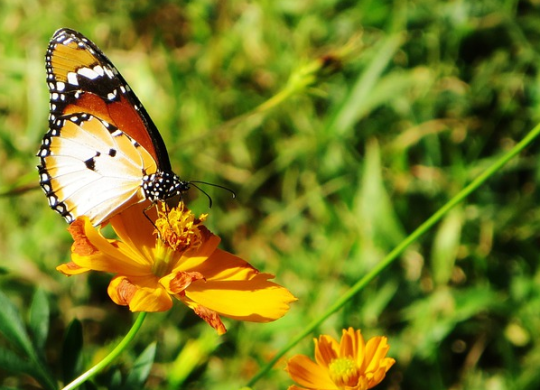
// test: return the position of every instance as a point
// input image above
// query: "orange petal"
(151, 300)
(211, 318)
(81, 244)
(114, 262)
(307, 373)
(177, 282)
(121, 290)
(256, 300)
(326, 350)
(106, 255)
(352, 345)
(71, 268)
(135, 230)
(376, 350)
(200, 259)
(222, 265)
(141, 294)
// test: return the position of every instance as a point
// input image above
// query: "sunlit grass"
(328, 182)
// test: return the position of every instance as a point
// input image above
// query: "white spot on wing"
(88, 73)
(99, 70)
(72, 78)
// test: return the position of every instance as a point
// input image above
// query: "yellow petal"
(352, 345)
(148, 299)
(141, 294)
(71, 268)
(256, 300)
(222, 265)
(326, 350)
(176, 283)
(114, 262)
(307, 373)
(376, 350)
(92, 250)
(135, 230)
(199, 260)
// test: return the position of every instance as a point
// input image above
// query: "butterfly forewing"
(82, 79)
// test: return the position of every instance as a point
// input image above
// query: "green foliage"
(330, 178)
(25, 355)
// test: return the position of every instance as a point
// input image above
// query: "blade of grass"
(393, 255)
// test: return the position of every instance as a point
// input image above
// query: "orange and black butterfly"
(102, 153)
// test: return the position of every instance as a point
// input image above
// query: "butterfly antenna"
(213, 185)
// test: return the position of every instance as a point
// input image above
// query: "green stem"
(111, 356)
(392, 256)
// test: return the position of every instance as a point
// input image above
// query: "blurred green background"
(328, 182)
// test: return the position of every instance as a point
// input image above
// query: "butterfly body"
(102, 153)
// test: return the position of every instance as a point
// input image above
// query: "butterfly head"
(161, 186)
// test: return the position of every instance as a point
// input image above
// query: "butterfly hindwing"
(90, 153)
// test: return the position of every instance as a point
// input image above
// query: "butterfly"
(102, 152)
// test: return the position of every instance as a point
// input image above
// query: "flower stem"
(111, 356)
(393, 255)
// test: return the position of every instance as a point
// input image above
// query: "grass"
(328, 182)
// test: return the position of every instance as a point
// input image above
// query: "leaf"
(379, 228)
(12, 362)
(141, 369)
(357, 103)
(39, 319)
(445, 246)
(71, 351)
(12, 327)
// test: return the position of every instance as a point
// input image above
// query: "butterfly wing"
(102, 152)
(90, 167)
(82, 79)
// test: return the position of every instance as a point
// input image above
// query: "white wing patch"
(91, 168)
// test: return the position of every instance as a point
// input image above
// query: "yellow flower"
(350, 364)
(181, 261)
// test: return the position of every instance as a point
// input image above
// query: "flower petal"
(71, 268)
(141, 294)
(176, 283)
(211, 318)
(92, 250)
(136, 230)
(309, 374)
(377, 363)
(199, 260)
(352, 345)
(256, 300)
(222, 265)
(326, 350)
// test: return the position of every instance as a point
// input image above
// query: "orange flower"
(180, 261)
(350, 365)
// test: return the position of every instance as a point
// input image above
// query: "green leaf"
(446, 245)
(71, 351)
(39, 319)
(12, 362)
(141, 369)
(12, 327)
(358, 102)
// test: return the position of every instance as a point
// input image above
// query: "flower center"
(179, 232)
(344, 372)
